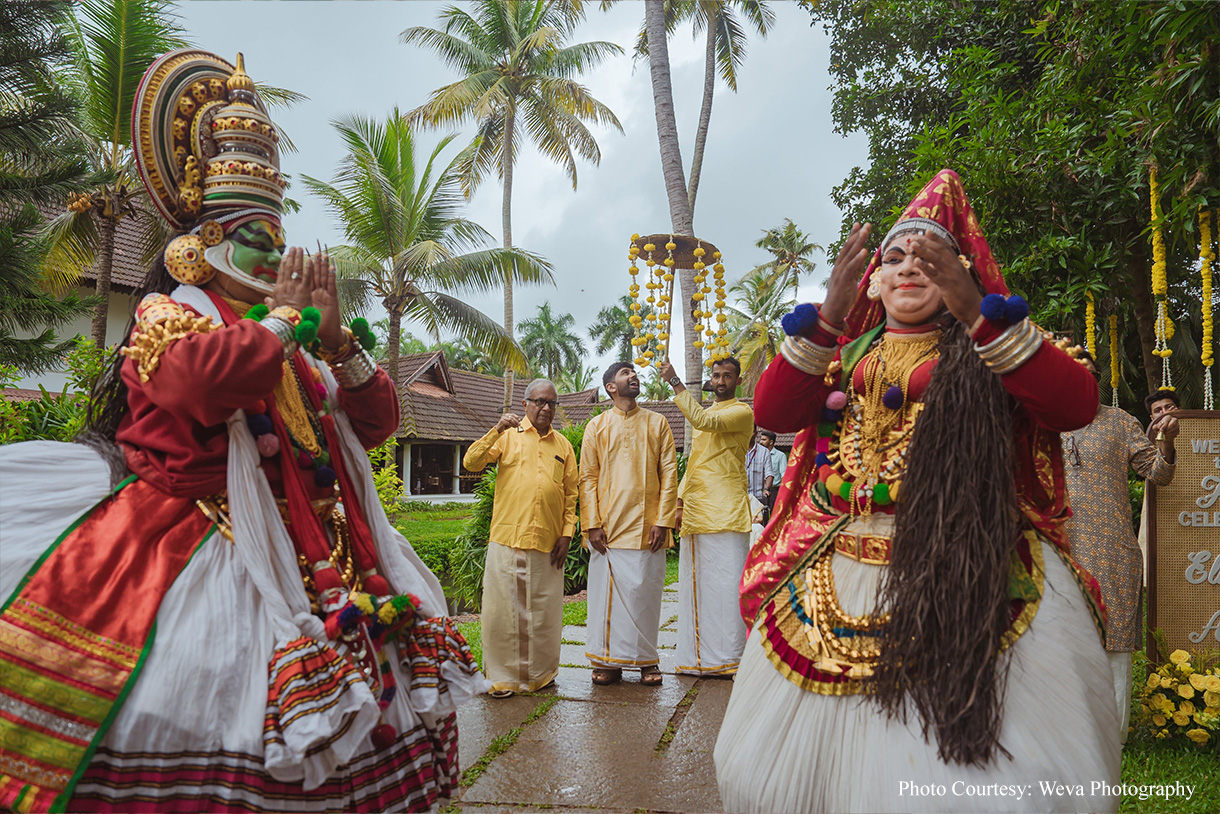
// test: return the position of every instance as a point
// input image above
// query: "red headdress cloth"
(943, 199)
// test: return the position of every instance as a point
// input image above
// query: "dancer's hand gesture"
(844, 279)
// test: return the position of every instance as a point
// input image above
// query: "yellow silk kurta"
(714, 492)
(536, 486)
(628, 476)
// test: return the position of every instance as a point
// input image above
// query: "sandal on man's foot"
(651, 676)
(500, 693)
(606, 677)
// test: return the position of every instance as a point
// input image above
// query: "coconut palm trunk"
(105, 267)
(705, 114)
(680, 215)
(506, 167)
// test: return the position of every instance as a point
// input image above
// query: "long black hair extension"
(956, 525)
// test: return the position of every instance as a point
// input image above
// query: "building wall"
(121, 307)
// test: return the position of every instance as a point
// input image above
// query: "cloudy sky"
(771, 153)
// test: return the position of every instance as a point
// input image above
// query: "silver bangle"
(805, 356)
(1011, 349)
(283, 331)
(355, 370)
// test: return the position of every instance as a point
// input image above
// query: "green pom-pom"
(258, 311)
(307, 332)
(322, 458)
(881, 494)
(845, 490)
(364, 334)
(311, 314)
(826, 429)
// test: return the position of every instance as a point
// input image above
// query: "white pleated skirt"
(785, 749)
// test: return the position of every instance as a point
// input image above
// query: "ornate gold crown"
(204, 143)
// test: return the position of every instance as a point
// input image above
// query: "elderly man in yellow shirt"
(532, 524)
(628, 504)
(714, 520)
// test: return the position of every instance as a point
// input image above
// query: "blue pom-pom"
(1016, 309)
(822, 460)
(802, 319)
(349, 616)
(311, 314)
(831, 415)
(893, 397)
(259, 424)
(387, 695)
(324, 477)
(993, 307)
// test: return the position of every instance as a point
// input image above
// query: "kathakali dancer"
(234, 625)
(922, 639)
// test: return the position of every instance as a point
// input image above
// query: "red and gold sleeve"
(1053, 387)
(788, 399)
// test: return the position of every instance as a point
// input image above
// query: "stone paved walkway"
(575, 747)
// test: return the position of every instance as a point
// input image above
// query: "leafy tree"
(408, 343)
(653, 387)
(792, 250)
(112, 42)
(407, 242)
(41, 163)
(1053, 113)
(465, 355)
(517, 69)
(725, 51)
(754, 322)
(548, 341)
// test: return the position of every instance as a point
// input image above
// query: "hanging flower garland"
(1090, 325)
(1207, 256)
(652, 326)
(1115, 370)
(1160, 285)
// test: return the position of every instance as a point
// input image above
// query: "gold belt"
(866, 548)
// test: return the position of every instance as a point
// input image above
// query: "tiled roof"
(21, 394)
(443, 404)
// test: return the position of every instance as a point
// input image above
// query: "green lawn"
(431, 530)
(671, 567)
(473, 633)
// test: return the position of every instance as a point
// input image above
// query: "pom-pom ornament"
(259, 424)
(268, 445)
(802, 319)
(384, 736)
(324, 477)
(893, 397)
(836, 400)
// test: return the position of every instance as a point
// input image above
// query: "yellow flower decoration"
(1181, 718)
(362, 602)
(1212, 683)
(1199, 736)
(1158, 720)
(1186, 708)
(1154, 680)
(1211, 698)
(1198, 681)
(1186, 691)
(1179, 657)
(386, 614)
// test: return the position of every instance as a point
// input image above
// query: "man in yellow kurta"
(714, 521)
(628, 504)
(532, 524)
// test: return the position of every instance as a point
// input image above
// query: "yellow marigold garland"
(1090, 325)
(1115, 370)
(1207, 256)
(1180, 699)
(1160, 284)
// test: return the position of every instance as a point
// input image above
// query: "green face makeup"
(258, 249)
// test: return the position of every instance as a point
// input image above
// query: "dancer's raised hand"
(844, 279)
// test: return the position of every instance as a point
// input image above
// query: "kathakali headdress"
(208, 154)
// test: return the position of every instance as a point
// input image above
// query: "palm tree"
(725, 50)
(408, 244)
(762, 301)
(611, 330)
(653, 387)
(792, 249)
(548, 341)
(516, 69)
(113, 42)
(463, 355)
(41, 163)
(408, 343)
(575, 380)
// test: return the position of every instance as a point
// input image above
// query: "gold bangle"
(340, 353)
(287, 313)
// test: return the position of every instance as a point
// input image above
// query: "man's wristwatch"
(674, 381)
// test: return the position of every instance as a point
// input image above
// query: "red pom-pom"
(304, 459)
(384, 736)
(324, 579)
(268, 445)
(259, 406)
(376, 585)
(321, 389)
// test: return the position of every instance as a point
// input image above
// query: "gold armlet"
(806, 356)
(150, 339)
(1011, 349)
(340, 353)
